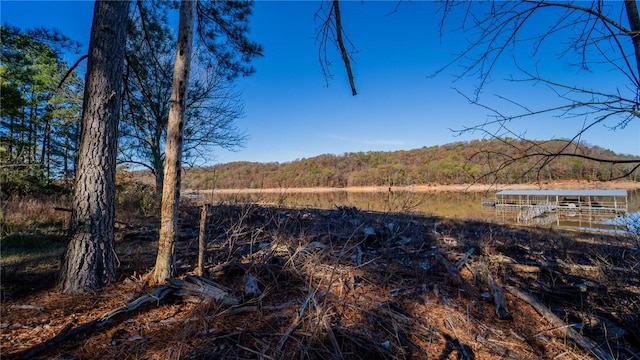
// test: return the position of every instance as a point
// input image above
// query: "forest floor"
(338, 284)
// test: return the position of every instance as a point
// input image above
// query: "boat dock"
(549, 206)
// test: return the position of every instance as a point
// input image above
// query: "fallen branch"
(26, 307)
(66, 333)
(462, 351)
(451, 270)
(201, 290)
(499, 300)
(465, 258)
(296, 321)
(232, 311)
(503, 352)
(525, 268)
(585, 343)
(591, 268)
(454, 273)
(158, 294)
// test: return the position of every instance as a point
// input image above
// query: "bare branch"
(596, 38)
(71, 69)
(343, 50)
(331, 31)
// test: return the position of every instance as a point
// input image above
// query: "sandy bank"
(582, 185)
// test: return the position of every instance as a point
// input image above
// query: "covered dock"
(548, 206)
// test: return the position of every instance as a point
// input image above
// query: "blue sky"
(290, 113)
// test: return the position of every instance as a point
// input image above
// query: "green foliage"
(27, 221)
(26, 181)
(456, 163)
(39, 116)
(134, 197)
(22, 181)
(149, 203)
(222, 30)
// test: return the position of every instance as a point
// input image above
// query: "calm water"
(447, 204)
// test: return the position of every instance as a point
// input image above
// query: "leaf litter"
(341, 284)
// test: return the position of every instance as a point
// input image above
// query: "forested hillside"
(460, 162)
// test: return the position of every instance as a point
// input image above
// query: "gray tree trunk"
(173, 151)
(89, 261)
(634, 23)
(158, 168)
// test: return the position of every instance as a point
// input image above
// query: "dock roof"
(568, 192)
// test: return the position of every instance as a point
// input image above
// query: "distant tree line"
(453, 163)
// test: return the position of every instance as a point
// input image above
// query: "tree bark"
(158, 168)
(173, 152)
(89, 261)
(201, 239)
(634, 22)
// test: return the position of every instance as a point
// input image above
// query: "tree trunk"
(634, 22)
(158, 168)
(11, 136)
(89, 261)
(45, 156)
(173, 150)
(31, 139)
(202, 240)
(65, 159)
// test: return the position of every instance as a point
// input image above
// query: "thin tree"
(212, 106)
(221, 30)
(89, 261)
(173, 150)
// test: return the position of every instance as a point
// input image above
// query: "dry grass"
(32, 215)
(32, 233)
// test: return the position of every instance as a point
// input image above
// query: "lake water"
(467, 205)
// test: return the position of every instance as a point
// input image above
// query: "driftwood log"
(499, 300)
(453, 272)
(199, 289)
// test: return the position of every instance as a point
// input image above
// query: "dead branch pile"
(349, 284)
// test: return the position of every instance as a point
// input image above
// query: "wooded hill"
(459, 162)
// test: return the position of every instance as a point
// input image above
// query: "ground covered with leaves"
(341, 284)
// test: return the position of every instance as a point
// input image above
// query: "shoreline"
(578, 185)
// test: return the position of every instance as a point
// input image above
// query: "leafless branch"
(331, 31)
(596, 37)
(73, 67)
